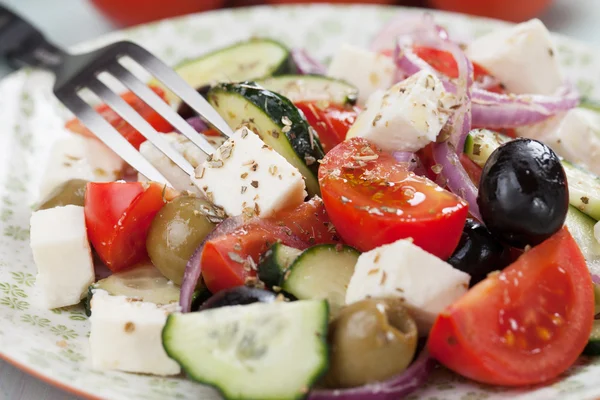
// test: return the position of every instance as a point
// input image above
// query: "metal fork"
(23, 45)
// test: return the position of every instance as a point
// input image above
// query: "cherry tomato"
(331, 121)
(373, 200)
(443, 62)
(133, 12)
(132, 135)
(302, 227)
(473, 170)
(118, 216)
(509, 10)
(522, 326)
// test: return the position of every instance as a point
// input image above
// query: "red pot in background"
(509, 10)
(133, 12)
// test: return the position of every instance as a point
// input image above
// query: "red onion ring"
(494, 110)
(193, 268)
(306, 64)
(393, 389)
(413, 161)
(401, 25)
(198, 124)
(596, 279)
(457, 178)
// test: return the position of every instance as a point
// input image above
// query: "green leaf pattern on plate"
(54, 343)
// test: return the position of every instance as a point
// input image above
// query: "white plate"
(53, 344)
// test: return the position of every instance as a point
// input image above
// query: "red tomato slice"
(373, 200)
(331, 121)
(132, 135)
(443, 62)
(523, 326)
(118, 217)
(306, 225)
(473, 170)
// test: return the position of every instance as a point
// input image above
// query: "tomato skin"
(118, 216)
(412, 206)
(128, 132)
(473, 170)
(551, 304)
(331, 121)
(300, 228)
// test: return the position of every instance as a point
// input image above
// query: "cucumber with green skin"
(584, 186)
(322, 272)
(276, 120)
(275, 263)
(593, 346)
(263, 351)
(311, 88)
(242, 61)
(581, 227)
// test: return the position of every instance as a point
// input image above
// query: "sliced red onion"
(306, 64)
(403, 25)
(456, 177)
(493, 110)
(198, 124)
(393, 389)
(596, 279)
(413, 161)
(193, 268)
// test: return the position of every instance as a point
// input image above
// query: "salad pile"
(421, 201)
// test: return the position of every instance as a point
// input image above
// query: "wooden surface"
(575, 18)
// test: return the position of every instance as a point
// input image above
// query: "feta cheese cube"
(62, 254)
(522, 57)
(574, 135)
(366, 70)
(78, 157)
(408, 116)
(246, 177)
(401, 269)
(174, 174)
(126, 335)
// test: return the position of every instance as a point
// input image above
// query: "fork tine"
(127, 112)
(180, 87)
(154, 101)
(110, 136)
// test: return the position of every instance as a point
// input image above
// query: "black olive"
(479, 252)
(523, 194)
(240, 295)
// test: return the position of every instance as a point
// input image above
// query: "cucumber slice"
(267, 113)
(481, 143)
(144, 283)
(584, 189)
(581, 227)
(252, 59)
(275, 262)
(593, 346)
(322, 272)
(590, 104)
(311, 88)
(258, 351)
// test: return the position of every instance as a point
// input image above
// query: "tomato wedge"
(331, 121)
(118, 217)
(373, 200)
(128, 131)
(222, 259)
(525, 325)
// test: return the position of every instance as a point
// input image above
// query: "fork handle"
(23, 45)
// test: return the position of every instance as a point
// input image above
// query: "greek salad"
(422, 201)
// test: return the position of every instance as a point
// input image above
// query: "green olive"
(70, 192)
(176, 231)
(371, 341)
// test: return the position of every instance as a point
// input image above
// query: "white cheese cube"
(406, 117)
(126, 335)
(78, 157)
(401, 269)
(62, 254)
(174, 174)
(522, 57)
(574, 135)
(247, 177)
(366, 70)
